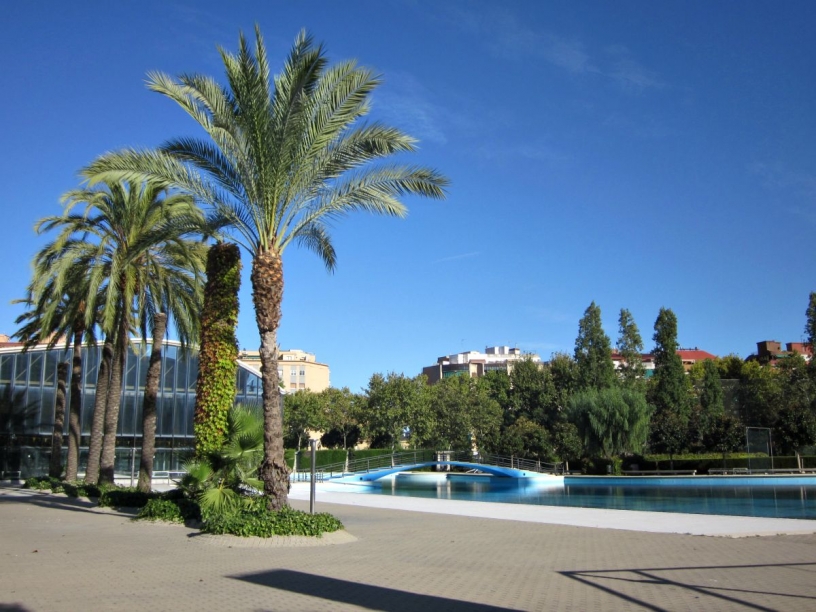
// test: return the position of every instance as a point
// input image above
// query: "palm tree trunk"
(267, 295)
(108, 459)
(98, 421)
(55, 466)
(74, 431)
(149, 410)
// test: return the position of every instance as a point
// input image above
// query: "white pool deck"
(628, 520)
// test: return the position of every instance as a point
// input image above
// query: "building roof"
(695, 354)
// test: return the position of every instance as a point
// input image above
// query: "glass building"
(28, 385)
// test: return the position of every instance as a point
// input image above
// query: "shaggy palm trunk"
(55, 466)
(149, 410)
(218, 355)
(107, 461)
(267, 295)
(98, 421)
(75, 410)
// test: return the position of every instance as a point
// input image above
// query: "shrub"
(161, 510)
(255, 519)
(124, 497)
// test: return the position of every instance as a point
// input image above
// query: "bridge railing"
(369, 464)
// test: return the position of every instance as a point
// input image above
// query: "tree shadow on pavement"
(363, 595)
(63, 502)
(614, 582)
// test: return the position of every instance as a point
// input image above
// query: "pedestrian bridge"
(371, 469)
(493, 470)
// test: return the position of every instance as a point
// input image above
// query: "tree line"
(578, 406)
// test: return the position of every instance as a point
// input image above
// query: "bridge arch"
(493, 470)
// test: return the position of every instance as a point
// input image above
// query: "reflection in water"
(766, 501)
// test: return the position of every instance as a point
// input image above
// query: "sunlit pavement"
(62, 554)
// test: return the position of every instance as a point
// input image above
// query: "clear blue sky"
(639, 154)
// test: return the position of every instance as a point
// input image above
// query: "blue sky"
(639, 154)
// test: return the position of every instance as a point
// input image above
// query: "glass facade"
(28, 384)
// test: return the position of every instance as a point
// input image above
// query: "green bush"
(161, 510)
(124, 497)
(256, 520)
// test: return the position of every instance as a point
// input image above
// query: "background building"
(28, 384)
(688, 356)
(296, 369)
(769, 351)
(474, 363)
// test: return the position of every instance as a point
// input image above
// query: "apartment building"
(475, 364)
(296, 369)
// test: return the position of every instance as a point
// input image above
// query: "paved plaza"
(57, 553)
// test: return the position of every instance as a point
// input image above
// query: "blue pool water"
(729, 498)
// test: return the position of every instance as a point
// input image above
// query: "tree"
(341, 410)
(759, 395)
(302, 414)
(527, 439)
(55, 464)
(55, 315)
(593, 352)
(285, 158)
(669, 389)
(630, 348)
(398, 408)
(810, 331)
(710, 401)
(218, 353)
(531, 391)
(564, 374)
(464, 414)
(795, 425)
(725, 435)
(132, 239)
(611, 421)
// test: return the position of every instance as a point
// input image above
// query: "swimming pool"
(771, 497)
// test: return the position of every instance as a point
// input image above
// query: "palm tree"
(54, 316)
(173, 285)
(134, 245)
(285, 157)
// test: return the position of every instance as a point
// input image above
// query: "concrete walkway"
(62, 554)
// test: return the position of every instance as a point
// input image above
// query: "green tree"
(342, 410)
(564, 374)
(810, 331)
(531, 391)
(725, 434)
(593, 352)
(632, 372)
(398, 408)
(133, 240)
(611, 421)
(669, 391)
(464, 414)
(795, 424)
(302, 413)
(759, 395)
(284, 159)
(54, 316)
(527, 439)
(710, 401)
(218, 354)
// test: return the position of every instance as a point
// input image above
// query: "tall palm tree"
(173, 288)
(284, 158)
(133, 238)
(54, 316)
